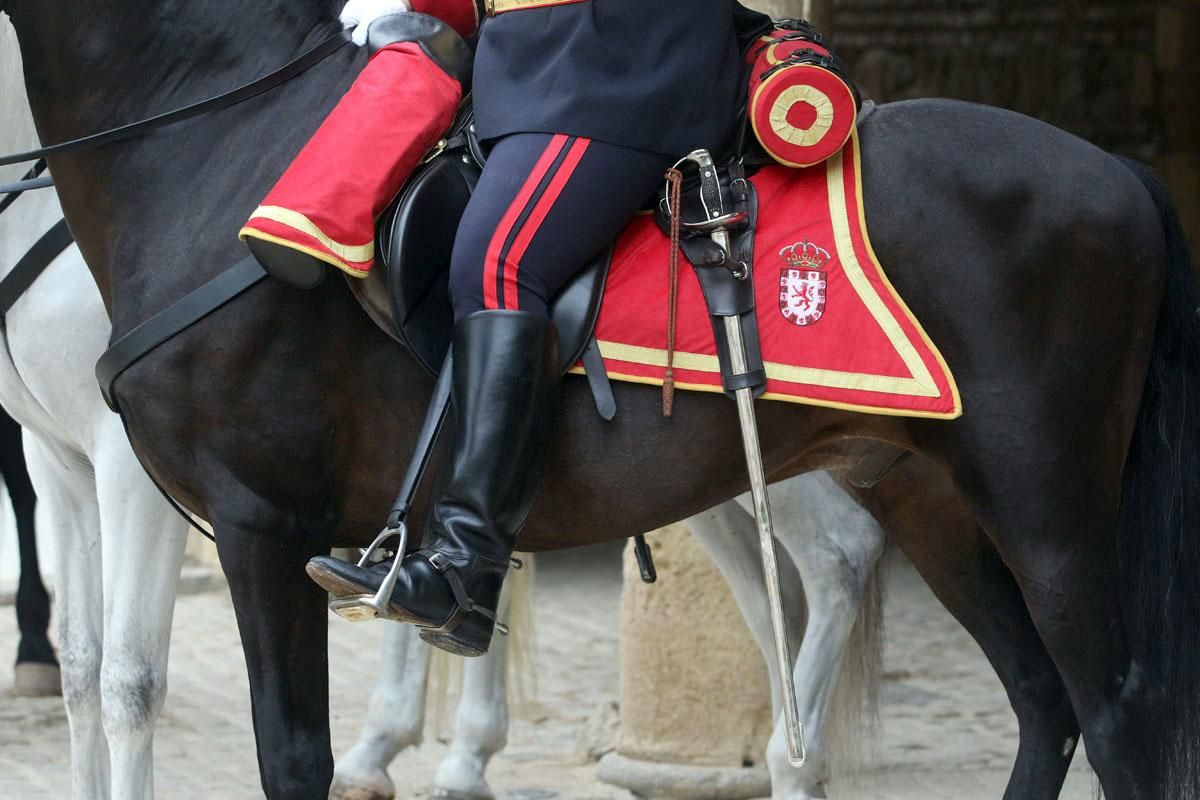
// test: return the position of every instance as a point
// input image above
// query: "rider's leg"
(545, 204)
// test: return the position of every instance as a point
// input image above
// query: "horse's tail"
(1160, 512)
(852, 734)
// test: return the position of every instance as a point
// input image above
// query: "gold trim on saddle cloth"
(920, 383)
(495, 7)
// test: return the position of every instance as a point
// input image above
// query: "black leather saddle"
(408, 293)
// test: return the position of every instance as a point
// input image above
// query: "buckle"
(440, 561)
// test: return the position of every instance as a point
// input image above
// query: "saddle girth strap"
(174, 319)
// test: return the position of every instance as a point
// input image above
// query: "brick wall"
(1086, 66)
(1177, 43)
(1123, 75)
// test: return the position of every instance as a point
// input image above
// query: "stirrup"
(363, 607)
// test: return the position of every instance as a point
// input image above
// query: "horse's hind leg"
(37, 667)
(942, 539)
(395, 718)
(1068, 586)
(143, 542)
(834, 544)
(283, 622)
(481, 724)
(985, 598)
(1054, 528)
(69, 497)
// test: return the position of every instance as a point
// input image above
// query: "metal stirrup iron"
(717, 224)
(360, 607)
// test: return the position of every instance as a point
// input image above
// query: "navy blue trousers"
(545, 205)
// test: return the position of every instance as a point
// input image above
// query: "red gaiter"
(327, 201)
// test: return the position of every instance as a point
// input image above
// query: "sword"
(717, 224)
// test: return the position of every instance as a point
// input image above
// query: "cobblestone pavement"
(947, 731)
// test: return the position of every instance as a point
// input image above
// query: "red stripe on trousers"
(546, 202)
(491, 262)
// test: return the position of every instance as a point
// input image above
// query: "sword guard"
(723, 222)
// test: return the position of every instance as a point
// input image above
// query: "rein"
(287, 72)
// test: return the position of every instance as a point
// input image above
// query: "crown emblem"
(805, 255)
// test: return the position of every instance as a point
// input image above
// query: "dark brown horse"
(1052, 276)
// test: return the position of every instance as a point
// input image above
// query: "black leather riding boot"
(504, 395)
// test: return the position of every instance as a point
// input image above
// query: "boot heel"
(471, 638)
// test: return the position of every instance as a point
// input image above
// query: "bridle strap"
(30, 180)
(175, 318)
(282, 75)
(31, 265)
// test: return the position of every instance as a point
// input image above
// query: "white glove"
(359, 14)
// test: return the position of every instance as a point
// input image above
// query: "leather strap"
(597, 376)
(33, 264)
(754, 379)
(446, 567)
(442, 563)
(645, 559)
(29, 181)
(435, 417)
(176, 318)
(301, 64)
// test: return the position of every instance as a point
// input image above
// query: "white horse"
(120, 546)
(833, 544)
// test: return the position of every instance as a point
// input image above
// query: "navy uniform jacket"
(659, 75)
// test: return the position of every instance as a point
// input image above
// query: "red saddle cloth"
(833, 330)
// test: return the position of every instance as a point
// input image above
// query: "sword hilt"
(712, 199)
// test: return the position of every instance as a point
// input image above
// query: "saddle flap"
(415, 241)
(574, 310)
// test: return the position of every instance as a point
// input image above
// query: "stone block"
(693, 684)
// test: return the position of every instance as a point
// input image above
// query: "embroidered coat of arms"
(802, 283)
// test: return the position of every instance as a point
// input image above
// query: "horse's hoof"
(375, 785)
(37, 680)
